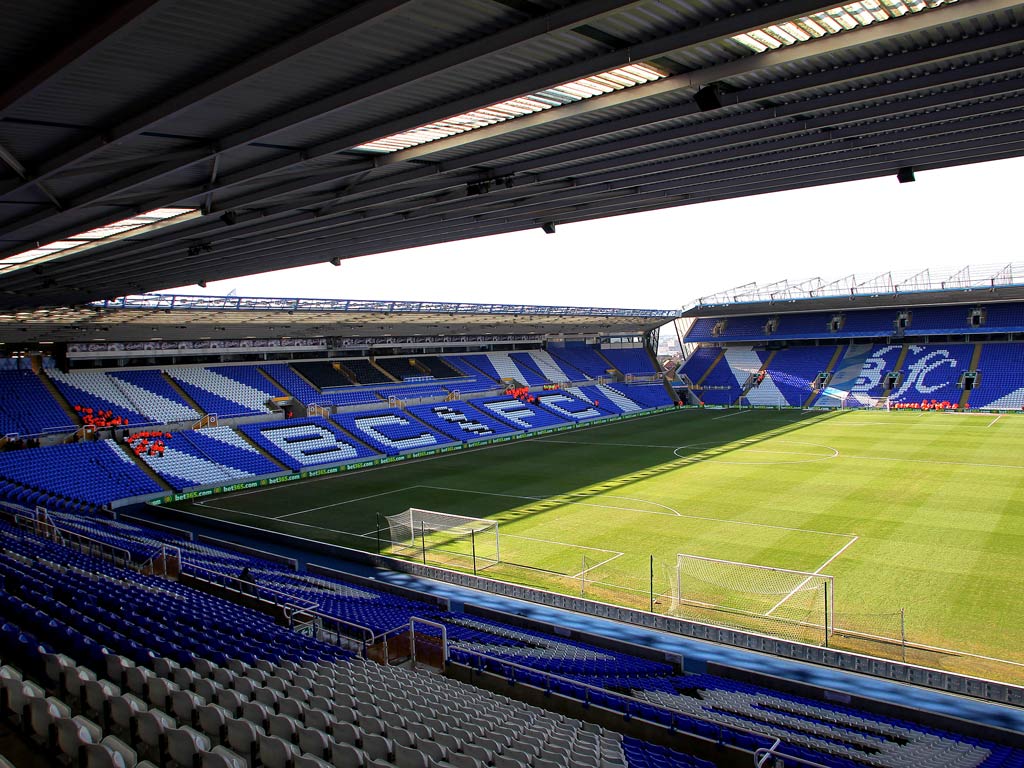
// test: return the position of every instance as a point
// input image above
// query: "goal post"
(798, 605)
(445, 538)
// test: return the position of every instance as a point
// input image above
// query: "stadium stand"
(585, 359)
(293, 383)
(211, 456)
(460, 421)
(478, 366)
(308, 442)
(794, 370)
(323, 374)
(364, 371)
(697, 364)
(570, 406)
(154, 396)
(27, 407)
(932, 372)
(96, 390)
(630, 360)
(1001, 384)
(607, 398)
(651, 395)
(227, 675)
(508, 367)
(95, 473)
(236, 390)
(517, 414)
(391, 431)
(719, 386)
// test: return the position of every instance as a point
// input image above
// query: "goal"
(797, 605)
(445, 538)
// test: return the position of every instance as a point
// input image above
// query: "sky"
(946, 219)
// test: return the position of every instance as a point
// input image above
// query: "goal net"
(445, 538)
(797, 605)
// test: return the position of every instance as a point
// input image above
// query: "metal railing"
(631, 702)
(974, 277)
(264, 304)
(85, 544)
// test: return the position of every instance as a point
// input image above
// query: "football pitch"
(918, 517)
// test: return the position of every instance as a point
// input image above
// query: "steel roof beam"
(279, 227)
(343, 23)
(118, 20)
(878, 163)
(565, 18)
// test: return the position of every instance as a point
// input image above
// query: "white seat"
(346, 755)
(212, 720)
(312, 741)
(310, 761)
(275, 752)
(42, 714)
(243, 737)
(221, 757)
(123, 710)
(109, 753)
(184, 744)
(150, 727)
(74, 733)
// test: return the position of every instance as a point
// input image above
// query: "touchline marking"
(729, 415)
(997, 418)
(820, 568)
(932, 461)
(743, 446)
(560, 543)
(348, 501)
(290, 522)
(644, 512)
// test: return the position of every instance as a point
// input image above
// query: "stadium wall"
(989, 690)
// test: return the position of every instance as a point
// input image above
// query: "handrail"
(236, 582)
(412, 637)
(78, 538)
(290, 602)
(605, 692)
(264, 304)
(763, 754)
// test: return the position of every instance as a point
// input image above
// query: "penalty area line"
(590, 568)
(347, 501)
(820, 568)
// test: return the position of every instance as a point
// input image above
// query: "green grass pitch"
(923, 512)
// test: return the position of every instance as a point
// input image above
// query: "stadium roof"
(286, 134)
(972, 284)
(176, 317)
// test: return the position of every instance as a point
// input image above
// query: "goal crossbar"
(427, 531)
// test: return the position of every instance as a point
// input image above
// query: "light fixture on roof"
(567, 93)
(548, 227)
(336, 261)
(201, 283)
(905, 175)
(709, 97)
(229, 218)
(831, 21)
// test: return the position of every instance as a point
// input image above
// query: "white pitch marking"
(997, 418)
(932, 461)
(596, 565)
(820, 568)
(729, 415)
(645, 512)
(348, 501)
